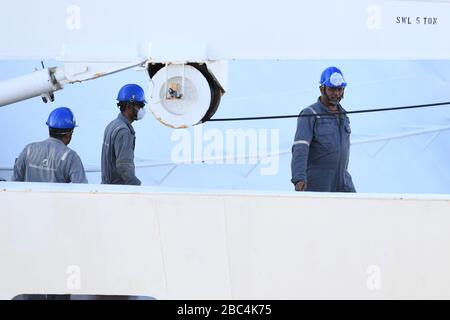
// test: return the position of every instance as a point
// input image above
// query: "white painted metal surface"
(194, 30)
(46, 81)
(92, 239)
(27, 86)
(286, 29)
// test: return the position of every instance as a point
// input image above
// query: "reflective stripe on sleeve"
(301, 142)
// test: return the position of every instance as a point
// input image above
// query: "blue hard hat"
(61, 118)
(332, 77)
(131, 93)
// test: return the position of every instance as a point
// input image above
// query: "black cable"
(337, 113)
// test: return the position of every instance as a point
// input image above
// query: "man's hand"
(300, 186)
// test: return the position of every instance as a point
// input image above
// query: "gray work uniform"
(321, 150)
(49, 161)
(118, 153)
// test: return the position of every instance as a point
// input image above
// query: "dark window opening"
(78, 297)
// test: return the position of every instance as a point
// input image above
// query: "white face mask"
(140, 114)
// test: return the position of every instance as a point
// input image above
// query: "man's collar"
(124, 119)
(55, 139)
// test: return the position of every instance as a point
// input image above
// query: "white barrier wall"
(92, 239)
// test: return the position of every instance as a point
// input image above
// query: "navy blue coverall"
(321, 150)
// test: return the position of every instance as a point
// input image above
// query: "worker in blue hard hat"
(332, 86)
(51, 160)
(321, 149)
(119, 138)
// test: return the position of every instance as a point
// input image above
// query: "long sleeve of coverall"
(124, 149)
(19, 167)
(300, 148)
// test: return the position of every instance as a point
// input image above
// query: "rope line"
(336, 113)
